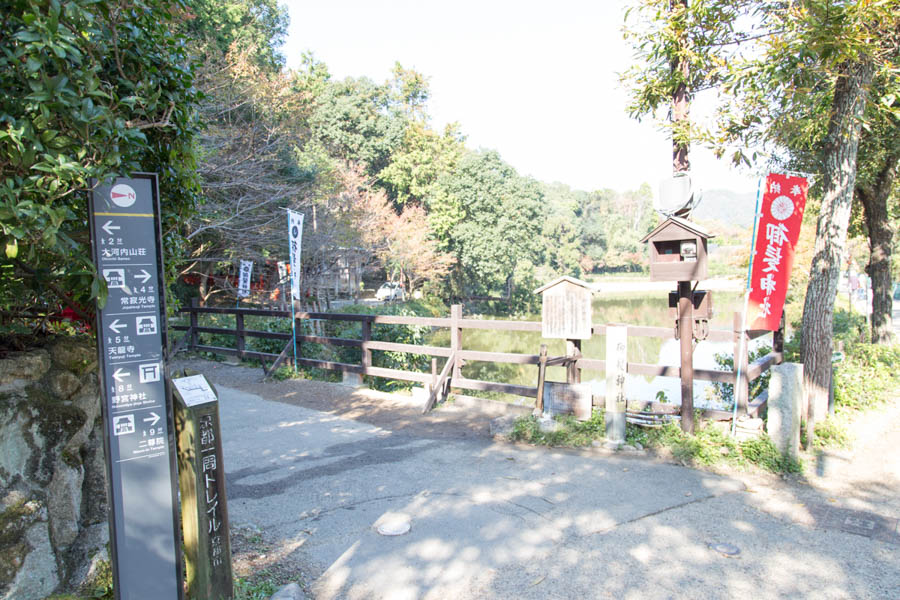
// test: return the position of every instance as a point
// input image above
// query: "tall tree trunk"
(874, 200)
(681, 104)
(205, 287)
(839, 177)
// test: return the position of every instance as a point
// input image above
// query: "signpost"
(201, 470)
(244, 281)
(295, 243)
(131, 340)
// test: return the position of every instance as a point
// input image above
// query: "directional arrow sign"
(108, 227)
(144, 276)
(121, 374)
(152, 419)
(116, 326)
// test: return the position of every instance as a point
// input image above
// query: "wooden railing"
(456, 356)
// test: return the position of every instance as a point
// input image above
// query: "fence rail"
(456, 357)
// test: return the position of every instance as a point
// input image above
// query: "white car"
(390, 291)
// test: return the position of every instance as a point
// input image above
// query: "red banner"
(781, 215)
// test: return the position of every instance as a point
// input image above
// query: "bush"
(89, 91)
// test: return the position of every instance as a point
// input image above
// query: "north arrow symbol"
(115, 326)
(120, 374)
(108, 227)
(143, 276)
(152, 420)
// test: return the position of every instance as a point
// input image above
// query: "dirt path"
(394, 412)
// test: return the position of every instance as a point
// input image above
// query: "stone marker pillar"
(784, 406)
(616, 369)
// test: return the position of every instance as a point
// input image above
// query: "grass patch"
(570, 432)
(259, 587)
(709, 446)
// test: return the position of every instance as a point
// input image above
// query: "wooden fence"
(456, 356)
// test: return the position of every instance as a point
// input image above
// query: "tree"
(876, 186)
(255, 28)
(90, 90)
(490, 219)
(802, 83)
(249, 164)
(419, 160)
(358, 120)
(816, 68)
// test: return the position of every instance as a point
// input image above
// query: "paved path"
(493, 520)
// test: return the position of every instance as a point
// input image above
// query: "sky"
(536, 81)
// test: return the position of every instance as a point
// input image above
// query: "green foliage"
(571, 432)
(725, 362)
(833, 432)
(709, 446)
(401, 334)
(255, 26)
(489, 217)
(612, 226)
(358, 120)
(867, 377)
(257, 588)
(89, 91)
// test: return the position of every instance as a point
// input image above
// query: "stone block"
(18, 370)
(352, 379)
(503, 425)
(784, 406)
(291, 591)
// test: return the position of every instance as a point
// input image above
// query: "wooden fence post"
(239, 335)
(573, 351)
(686, 339)
(366, 338)
(195, 336)
(434, 375)
(542, 374)
(456, 339)
(742, 387)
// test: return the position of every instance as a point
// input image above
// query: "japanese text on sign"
(244, 282)
(295, 242)
(783, 203)
(211, 490)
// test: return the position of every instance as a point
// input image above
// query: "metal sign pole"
(126, 242)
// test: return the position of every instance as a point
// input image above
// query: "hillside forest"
(204, 99)
(198, 92)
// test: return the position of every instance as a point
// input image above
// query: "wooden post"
(542, 374)
(573, 350)
(366, 338)
(742, 387)
(778, 339)
(686, 337)
(456, 338)
(195, 336)
(239, 336)
(434, 375)
(204, 511)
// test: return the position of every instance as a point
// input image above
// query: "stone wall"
(53, 502)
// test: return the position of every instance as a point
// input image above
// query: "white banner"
(295, 239)
(244, 283)
(282, 270)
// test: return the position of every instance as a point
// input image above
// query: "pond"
(638, 308)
